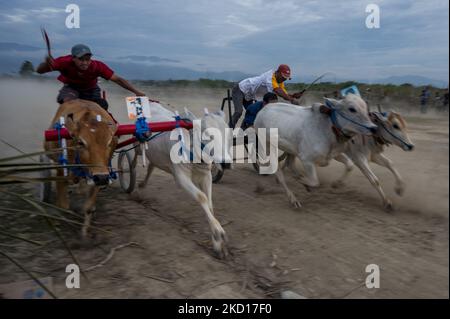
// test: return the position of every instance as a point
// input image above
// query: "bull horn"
(206, 111)
(379, 108)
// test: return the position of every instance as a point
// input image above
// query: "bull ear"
(70, 123)
(391, 114)
(189, 114)
(378, 116)
(330, 103)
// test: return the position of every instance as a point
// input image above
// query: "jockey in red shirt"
(79, 74)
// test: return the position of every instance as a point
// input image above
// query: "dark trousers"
(69, 92)
(239, 103)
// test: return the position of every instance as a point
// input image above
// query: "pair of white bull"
(335, 130)
(315, 135)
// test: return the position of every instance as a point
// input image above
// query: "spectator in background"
(437, 99)
(445, 102)
(424, 96)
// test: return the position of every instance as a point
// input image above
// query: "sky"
(249, 36)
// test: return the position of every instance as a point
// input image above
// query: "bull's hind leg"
(382, 160)
(344, 159)
(62, 199)
(310, 178)
(292, 199)
(88, 209)
(137, 152)
(150, 169)
(218, 233)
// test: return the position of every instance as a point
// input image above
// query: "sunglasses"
(84, 58)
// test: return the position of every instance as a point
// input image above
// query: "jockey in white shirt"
(245, 92)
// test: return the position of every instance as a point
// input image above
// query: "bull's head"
(392, 128)
(95, 141)
(351, 115)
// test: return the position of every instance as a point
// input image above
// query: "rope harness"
(379, 139)
(334, 117)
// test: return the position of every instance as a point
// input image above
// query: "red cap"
(285, 71)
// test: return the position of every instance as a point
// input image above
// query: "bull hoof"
(141, 185)
(337, 184)
(388, 206)
(219, 240)
(296, 204)
(400, 190)
(222, 252)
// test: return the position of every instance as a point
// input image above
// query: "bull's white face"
(393, 129)
(352, 116)
(213, 126)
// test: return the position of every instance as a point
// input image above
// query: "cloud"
(46, 11)
(250, 36)
(19, 15)
(16, 18)
(143, 58)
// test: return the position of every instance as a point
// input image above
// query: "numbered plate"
(138, 106)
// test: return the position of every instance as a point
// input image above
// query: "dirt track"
(319, 251)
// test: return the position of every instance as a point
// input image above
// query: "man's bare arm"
(45, 66)
(281, 93)
(126, 85)
(291, 98)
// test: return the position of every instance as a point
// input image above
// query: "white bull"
(316, 134)
(361, 149)
(194, 178)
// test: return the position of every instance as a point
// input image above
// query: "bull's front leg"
(363, 165)
(89, 209)
(205, 184)
(382, 160)
(344, 159)
(219, 237)
(62, 198)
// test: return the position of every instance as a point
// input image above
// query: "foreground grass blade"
(20, 238)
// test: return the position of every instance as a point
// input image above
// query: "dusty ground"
(320, 251)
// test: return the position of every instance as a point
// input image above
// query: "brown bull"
(93, 143)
